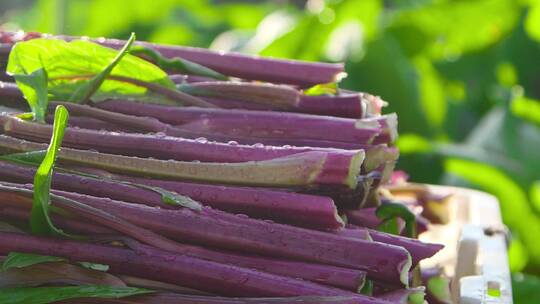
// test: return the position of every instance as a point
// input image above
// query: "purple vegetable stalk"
(256, 236)
(235, 199)
(309, 168)
(418, 249)
(158, 146)
(247, 66)
(213, 228)
(174, 298)
(346, 104)
(238, 65)
(165, 147)
(21, 214)
(170, 268)
(259, 124)
(278, 97)
(365, 217)
(293, 208)
(343, 278)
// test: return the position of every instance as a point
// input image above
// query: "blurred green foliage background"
(464, 77)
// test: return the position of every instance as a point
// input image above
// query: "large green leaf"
(69, 65)
(83, 93)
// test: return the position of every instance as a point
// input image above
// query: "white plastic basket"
(475, 253)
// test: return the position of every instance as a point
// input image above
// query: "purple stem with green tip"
(303, 169)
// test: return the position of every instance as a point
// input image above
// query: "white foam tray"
(475, 253)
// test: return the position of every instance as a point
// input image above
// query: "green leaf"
(322, 89)
(390, 226)
(40, 222)
(21, 260)
(44, 295)
(25, 116)
(174, 199)
(367, 289)
(176, 64)
(34, 88)
(95, 266)
(33, 158)
(83, 93)
(69, 65)
(389, 211)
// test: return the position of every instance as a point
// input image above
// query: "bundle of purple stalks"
(149, 173)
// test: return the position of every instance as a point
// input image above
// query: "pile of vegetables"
(149, 173)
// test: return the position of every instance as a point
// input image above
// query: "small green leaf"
(25, 116)
(20, 260)
(174, 199)
(83, 93)
(322, 89)
(176, 64)
(389, 211)
(40, 222)
(34, 88)
(26, 158)
(367, 289)
(95, 266)
(44, 295)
